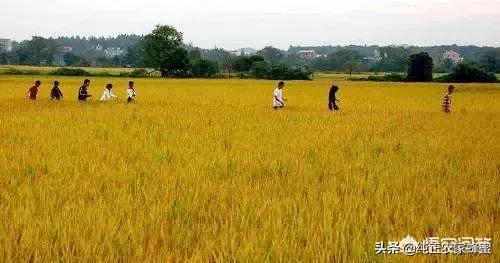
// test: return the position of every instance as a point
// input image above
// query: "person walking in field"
(446, 106)
(33, 91)
(131, 92)
(332, 99)
(108, 94)
(83, 92)
(55, 92)
(279, 101)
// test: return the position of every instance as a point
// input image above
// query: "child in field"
(278, 102)
(130, 92)
(446, 106)
(83, 92)
(33, 91)
(108, 94)
(332, 99)
(55, 92)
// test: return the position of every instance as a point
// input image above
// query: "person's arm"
(113, 95)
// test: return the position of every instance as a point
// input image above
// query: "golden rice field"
(204, 170)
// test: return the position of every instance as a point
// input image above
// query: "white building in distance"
(5, 44)
(113, 52)
(453, 56)
(307, 53)
(244, 52)
(248, 51)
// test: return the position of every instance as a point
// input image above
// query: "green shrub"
(203, 68)
(357, 79)
(13, 71)
(69, 72)
(262, 70)
(393, 77)
(467, 73)
(299, 74)
(219, 75)
(138, 73)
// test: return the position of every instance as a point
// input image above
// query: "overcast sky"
(258, 23)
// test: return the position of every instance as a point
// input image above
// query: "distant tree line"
(396, 58)
(164, 50)
(420, 69)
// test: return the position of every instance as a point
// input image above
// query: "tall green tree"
(271, 54)
(203, 68)
(4, 57)
(162, 49)
(491, 60)
(394, 59)
(420, 68)
(226, 61)
(131, 56)
(445, 65)
(342, 60)
(245, 63)
(70, 59)
(36, 51)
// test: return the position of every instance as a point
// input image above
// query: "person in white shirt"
(108, 94)
(130, 92)
(279, 101)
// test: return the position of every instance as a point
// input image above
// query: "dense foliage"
(468, 72)
(393, 77)
(70, 72)
(420, 68)
(164, 50)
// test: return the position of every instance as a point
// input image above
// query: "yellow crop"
(205, 170)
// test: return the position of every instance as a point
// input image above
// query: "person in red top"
(33, 91)
(446, 106)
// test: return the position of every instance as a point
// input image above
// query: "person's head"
(109, 86)
(38, 83)
(451, 89)
(131, 84)
(334, 89)
(86, 82)
(281, 84)
(56, 83)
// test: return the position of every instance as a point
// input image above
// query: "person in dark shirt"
(33, 91)
(55, 92)
(332, 99)
(83, 92)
